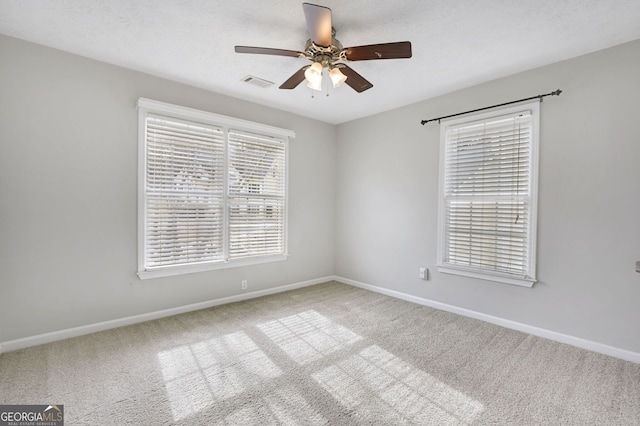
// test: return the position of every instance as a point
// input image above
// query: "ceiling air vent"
(257, 81)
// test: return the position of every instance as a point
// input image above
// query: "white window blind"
(184, 192)
(256, 195)
(212, 191)
(488, 209)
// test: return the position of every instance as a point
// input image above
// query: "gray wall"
(363, 197)
(589, 200)
(68, 159)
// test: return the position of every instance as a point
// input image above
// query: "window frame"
(475, 272)
(227, 124)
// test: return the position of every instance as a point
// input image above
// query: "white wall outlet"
(424, 273)
(244, 284)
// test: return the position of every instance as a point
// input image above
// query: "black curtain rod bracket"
(554, 93)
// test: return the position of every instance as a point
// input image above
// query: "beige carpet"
(326, 354)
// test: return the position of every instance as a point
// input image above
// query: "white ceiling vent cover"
(257, 81)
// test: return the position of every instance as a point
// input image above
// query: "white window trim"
(524, 281)
(148, 106)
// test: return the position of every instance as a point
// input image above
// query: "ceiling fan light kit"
(325, 51)
(313, 74)
(337, 77)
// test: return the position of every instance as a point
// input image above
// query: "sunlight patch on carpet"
(376, 377)
(213, 370)
(308, 336)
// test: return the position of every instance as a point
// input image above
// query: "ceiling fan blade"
(354, 80)
(318, 23)
(398, 50)
(295, 79)
(268, 51)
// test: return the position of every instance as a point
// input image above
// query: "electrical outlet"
(424, 274)
(244, 284)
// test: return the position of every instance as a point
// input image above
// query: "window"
(212, 191)
(488, 193)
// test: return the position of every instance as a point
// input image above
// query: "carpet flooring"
(329, 354)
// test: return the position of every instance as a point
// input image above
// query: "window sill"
(505, 279)
(211, 266)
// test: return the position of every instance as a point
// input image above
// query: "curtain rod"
(555, 93)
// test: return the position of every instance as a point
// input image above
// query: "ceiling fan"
(325, 51)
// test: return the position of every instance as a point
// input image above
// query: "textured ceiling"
(456, 44)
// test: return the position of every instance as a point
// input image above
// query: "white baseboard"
(40, 339)
(26, 342)
(536, 331)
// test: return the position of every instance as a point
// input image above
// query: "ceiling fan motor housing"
(324, 55)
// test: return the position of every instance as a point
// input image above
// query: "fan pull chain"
(327, 89)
